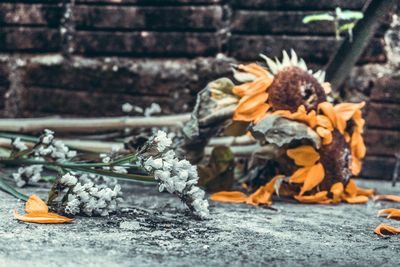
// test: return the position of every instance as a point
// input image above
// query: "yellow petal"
(384, 229)
(357, 145)
(390, 213)
(327, 87)
(337, 191)
(314, 177)
(254, 69)
(319, 198)
(264, 193)
(356, 165)
(347, 110)
(299, 176)
(37, 217)
(233, 197)
(255, 116)
(303, 155)
(356, 199)
(325, 122)
(351, 188)
(327, 109)
(35, 204)
(325, 134)
(393, 198)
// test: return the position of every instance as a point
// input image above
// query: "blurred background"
(86, 58)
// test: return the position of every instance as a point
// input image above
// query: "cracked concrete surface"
(235, 235)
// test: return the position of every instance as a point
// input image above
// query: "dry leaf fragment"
(38, 212)
(384, 229)
(391, 213)
(392, 198)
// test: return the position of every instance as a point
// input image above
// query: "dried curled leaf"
(384, 229)
(280, 131)
(38, 212)
(303, 155)
(390, 213)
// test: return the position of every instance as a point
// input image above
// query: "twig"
(90, 125)
(232, 140)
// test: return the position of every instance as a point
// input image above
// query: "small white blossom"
(153, 109)
(176, 176)
(69, 180)
(19, 145)
(24, 175)
(162, 141)
(47, 137)
(90, 198)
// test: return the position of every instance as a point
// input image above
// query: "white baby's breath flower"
(89, 198)
(69, 179)
(176, 176)
(162, 141)
(153, 109)
(27, 174)
(19, 145)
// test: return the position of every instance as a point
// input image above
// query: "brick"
(30, 14)
(299, 4)
(88, 104)
(29, 39)
(387, 89)
(151, 18)
(380, 168)
(311, 48)
(314, 49)
(151, 2)
(146, 44)
(267, 22)
(135, 77)
(383, 115)
(382, 142)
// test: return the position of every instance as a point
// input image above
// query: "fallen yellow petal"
(390, 213)
(393, 198)
(337, 191)
(38, 212)
(384, 229)
(300, 175)
(347, 110)
(318, 198)
(314, 177)
(35, 204)
(356, 199)
(303, 155)
(233, 197)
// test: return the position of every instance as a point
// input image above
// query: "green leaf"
(347, 26)
(350, 15)
(10, 190)
(120, 176)
(318, 17)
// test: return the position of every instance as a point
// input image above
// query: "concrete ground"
(235, 235)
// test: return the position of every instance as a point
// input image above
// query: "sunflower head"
(294, 85)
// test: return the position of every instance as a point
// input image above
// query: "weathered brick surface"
(383, 115)
(378, 167)
(30, 14)
(146, 43)
(382, 142)
(387, 89)
(29, 40)
(298, 4)
(312, 48)
(136, 77)
(84, 103)
(195, 18)
(152, 2)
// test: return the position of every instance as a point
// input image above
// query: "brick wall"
(88, 57)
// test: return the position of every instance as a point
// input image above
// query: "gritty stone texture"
(235, 235)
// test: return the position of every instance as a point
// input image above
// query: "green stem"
(8, 189)
(84, 167)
